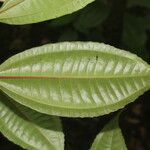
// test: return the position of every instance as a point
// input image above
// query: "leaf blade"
(110, 137)
(27, 11)
(75, 79)
(28, 128)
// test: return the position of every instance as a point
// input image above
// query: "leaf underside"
(32, 11)
(28, 128)
(110, 138)
(75, 79)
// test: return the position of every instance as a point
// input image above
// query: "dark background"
(122, 23)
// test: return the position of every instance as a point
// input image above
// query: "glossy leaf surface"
(28, 128)
(31, 11)
(75, 79)
(110, 138)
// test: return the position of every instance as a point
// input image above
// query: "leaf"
(32, 11)
(75, 79)
(134, 34)
(91, 16)
(110, 138)
(64, 20)
(68, 35)
(143, 3)
(28, 128)
(133, 26)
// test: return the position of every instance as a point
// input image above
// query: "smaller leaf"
(110, 138)
(142, 3)
(28, 128)
(134, 35)
(91, 16)
(68, 35)
(64, 20)
(32, 11)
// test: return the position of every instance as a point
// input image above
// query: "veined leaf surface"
(75, 79)
(110, 138)
(31, 11)
(28, 128)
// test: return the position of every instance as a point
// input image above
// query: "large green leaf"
(28, 128)
(75, 79)
(31, 11)
(110, 138)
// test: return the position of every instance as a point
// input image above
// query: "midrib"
(7, 8)
(75, 77)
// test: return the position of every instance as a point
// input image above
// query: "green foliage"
(136, 27)
(132, 28)
(75, 79)
(110, 137)
(68, 34)
(28, 128)
(32, 11)
(96, 13)
(64, 20)
(142, 3)
(72, 79)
